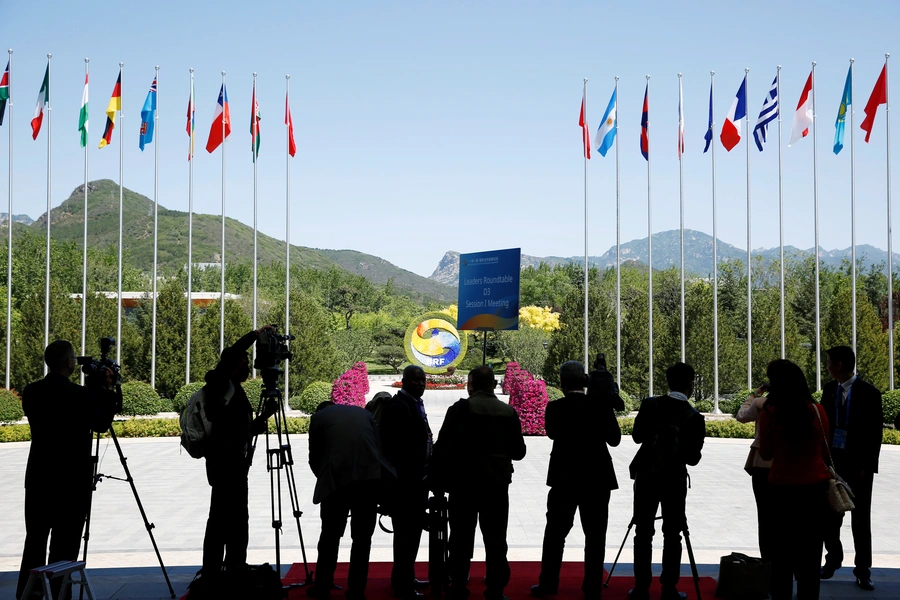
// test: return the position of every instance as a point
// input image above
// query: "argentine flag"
(606, 133)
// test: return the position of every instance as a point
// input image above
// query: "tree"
(526, 346)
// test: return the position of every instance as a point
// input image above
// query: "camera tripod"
(687, 544)
(280, 458)
(97, 478)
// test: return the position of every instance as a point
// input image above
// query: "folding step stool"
(64, 568)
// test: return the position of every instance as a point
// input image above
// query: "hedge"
(553, 393)
(10, 406)
(139, 398)
(890, 402)
(629, 404)
(184, 394)
(314, 394)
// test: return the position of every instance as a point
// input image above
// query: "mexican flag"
(43, 100)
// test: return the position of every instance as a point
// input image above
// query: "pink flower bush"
(352, 386)
(528, 396)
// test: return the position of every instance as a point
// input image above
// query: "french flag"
(731, 132)
(221, 121)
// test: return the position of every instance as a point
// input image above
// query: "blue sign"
(489, 290)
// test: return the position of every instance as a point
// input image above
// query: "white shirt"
(846, 389)
(678, 396)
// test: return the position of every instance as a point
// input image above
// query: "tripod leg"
(690, 551)
(87, 519)
(619, 553)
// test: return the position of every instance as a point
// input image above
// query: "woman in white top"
(758, 469)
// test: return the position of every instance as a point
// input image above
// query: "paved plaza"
(172, 486)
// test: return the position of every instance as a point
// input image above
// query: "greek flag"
(768, 114)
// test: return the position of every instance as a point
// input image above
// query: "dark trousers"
(860, 524)
(408, 517)
(59, 516)
(489, 507)
(798, 516)
(649, 494)
(593, 507)
(360, 502)
(228, 525)
(764, 514)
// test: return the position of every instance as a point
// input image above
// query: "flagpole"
(816, 222)
(187, 369)
(749, 257)
(780, 206)
(887, 121)
(681, 202)
(155, 230)
(649, 247)
(586, 361)
(9, 233)
(287, 235)
(852, 207)
(84, 254)
(255, 159)
(222, 257)
(47, 258)
(618, 251)
(712, 125)
(121, 188)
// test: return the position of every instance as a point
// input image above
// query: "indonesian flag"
(731, 131)
(803, 118)
(879, 96)
(585, 130)
(292, 147)
(221, 120)
(43, 99)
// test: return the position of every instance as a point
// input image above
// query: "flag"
(709, 128)
(803, 117)
(606, 133)
(43, 100)
(841, 119)
(645, 125)
(115, 103)
(83, 115)
(585, 130)
(4, 92)
(879, 96)
(254, 125)
(221, 119)
(148, 116)
(731, 133)
(680, 120)
(292, 147)
(768, 114)
(190, 121)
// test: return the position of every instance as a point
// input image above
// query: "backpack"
(665, 448)
(196, 428)
(376, 407)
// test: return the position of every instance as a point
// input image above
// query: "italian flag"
(43, 99)
(83, 116)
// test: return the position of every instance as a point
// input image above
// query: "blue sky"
(424, 126)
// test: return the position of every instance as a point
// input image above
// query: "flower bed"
(528, 396)
(352, 386)
(440, 382)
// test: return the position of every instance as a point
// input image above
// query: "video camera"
(271, 349)
(91, 366)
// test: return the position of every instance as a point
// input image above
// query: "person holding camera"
(228, 462)
(758, 469)
(58, 477)
(602, 386)
(580, 475)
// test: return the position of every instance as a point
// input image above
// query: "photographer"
(61, 415)
(228, 463)
(602, 386)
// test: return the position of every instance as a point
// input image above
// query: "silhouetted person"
(58, 478)
(479, 439)
(671, 434)
(406, 440)
(581, 476)
(758, 469)
(602, 386)
(345, 455)
(856, 419)
(228, 463)
(791, 435)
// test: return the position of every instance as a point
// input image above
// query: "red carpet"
(524, 575)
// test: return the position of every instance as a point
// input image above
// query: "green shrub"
(253, 389)
(314, 394)
(139, 398)
(15, 433)
(629, 404)
(184, 394)
(890, 436)
(10, 406)
(705, 406)
(295, 425)
(730, 428)
(890, 402)
(553, 393)
(817, 396)
(626, 424)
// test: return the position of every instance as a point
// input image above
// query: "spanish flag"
(115, 104)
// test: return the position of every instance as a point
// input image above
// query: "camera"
(91, 366)
(271, 349)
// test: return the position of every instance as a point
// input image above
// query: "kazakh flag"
(846, 101)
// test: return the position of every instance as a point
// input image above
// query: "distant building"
(131, 300)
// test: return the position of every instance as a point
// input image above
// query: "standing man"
(479, 439)
(345, 456)
(602, 386)
(580, 475)
(406, 439)
(671, 434)
(58, 478)
(855, 422)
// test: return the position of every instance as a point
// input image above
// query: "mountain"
(67, 225)
(23, 219)
(698, 253)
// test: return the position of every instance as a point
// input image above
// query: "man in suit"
(58, 477)
(855, 422)
(406, 440)
(580, 475)
(479, 439)
(671, 434)
(345, 456)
